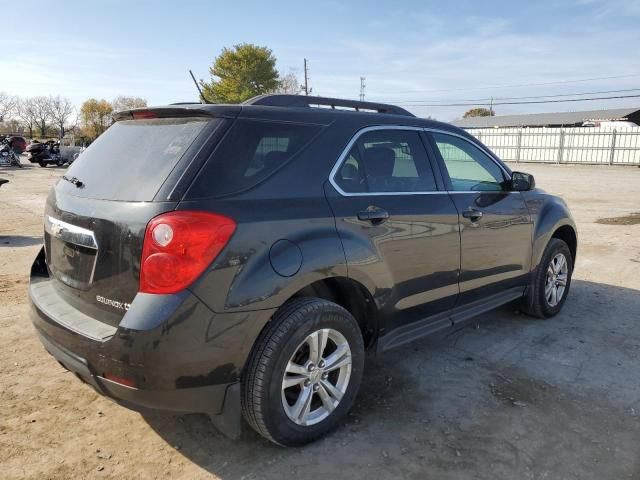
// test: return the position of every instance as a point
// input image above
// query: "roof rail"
(308, 101)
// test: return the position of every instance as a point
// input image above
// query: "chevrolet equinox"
(241, 260)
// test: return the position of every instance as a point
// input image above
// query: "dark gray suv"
(241, 260)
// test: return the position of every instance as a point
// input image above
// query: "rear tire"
(292, 391)
(42, 164)
(550, 286)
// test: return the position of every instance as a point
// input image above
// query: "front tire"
(550, 286)
(304, 372)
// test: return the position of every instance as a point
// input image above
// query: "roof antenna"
(202, 98)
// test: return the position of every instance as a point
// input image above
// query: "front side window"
(469, 168)
(386, 161)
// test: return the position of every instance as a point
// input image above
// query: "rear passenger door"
(495, 225)
(398, 225)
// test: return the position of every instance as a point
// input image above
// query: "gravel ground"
(515, 397)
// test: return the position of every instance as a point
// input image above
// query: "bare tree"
(60, 109)
(122, 102)
(7, 105)
(288, 84)
(27, 114)
(42, 109)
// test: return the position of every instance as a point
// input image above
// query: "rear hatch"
(96, 215)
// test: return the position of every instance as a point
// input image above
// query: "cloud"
(489, 53)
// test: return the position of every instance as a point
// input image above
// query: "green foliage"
(479, 112)
(242, 72)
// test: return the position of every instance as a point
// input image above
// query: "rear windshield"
(250, 152)
(132, 159)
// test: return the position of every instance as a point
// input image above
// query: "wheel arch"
(351, 295)
(567, 234)
(552, 220)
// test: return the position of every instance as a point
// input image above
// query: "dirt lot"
(514, 398)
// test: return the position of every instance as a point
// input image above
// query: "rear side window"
(133, 158)
(386, 161)
(249, 153)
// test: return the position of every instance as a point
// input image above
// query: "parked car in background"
(242, 259)
(18, 144)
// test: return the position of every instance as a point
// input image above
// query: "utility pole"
(362, 87)
(491, 108)
(306, 78)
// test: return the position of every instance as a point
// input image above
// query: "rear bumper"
(208, 399)
(179, 355)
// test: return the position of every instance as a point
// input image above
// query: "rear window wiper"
(73, 180)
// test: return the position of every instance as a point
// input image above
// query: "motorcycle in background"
(45, 153)
(7, 156)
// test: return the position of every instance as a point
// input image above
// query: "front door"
(495, 225)
(398, 226)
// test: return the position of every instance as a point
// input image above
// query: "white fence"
(587, 145)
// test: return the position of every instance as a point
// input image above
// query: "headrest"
(379, 161)
(349, 171)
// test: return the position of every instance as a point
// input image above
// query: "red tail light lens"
(127, 382)
(143, 115)
(179, 246)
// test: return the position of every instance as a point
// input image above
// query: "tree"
(8, 104)
(60, 109)
(242, 72)
(288, 84)
(96, 117)
(27, 114)
(127, 103)
(41, 109)
(479, 112)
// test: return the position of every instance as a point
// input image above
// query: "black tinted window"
(132, 159)
(387, 161)
(250, 152)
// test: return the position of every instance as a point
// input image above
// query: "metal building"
(559, 119)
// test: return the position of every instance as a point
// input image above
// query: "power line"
(513, 103)
(487, 87)
(529, 97)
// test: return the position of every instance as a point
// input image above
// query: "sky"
(412, 53)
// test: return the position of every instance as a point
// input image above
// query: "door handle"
(472, 214)
(373, 216)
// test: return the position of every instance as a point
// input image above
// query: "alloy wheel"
(556, 280)
(316, 377)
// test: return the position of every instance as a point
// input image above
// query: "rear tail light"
(143, 115)
(127, 382)
(179, 246)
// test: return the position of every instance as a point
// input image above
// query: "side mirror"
(521, 182)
